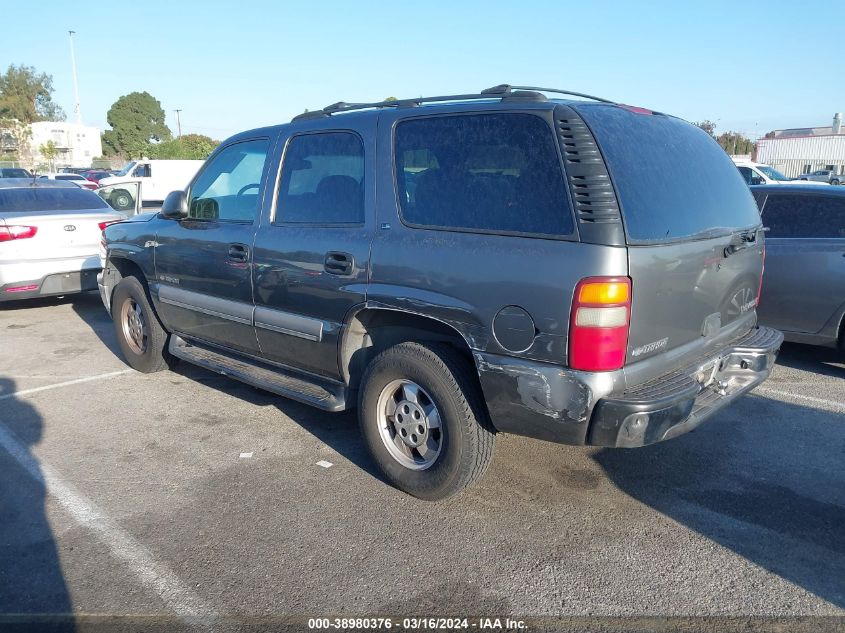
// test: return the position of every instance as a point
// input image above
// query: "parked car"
(824, 175)
(804, 286)
(95, 175)
(79, 181)
(157, 179)
(502, 293)
(14, 172)
(760, 174)
(50, 234)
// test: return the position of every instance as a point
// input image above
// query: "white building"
(802, 150)
(78, 145)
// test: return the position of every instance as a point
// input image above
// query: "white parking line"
(786, 394)
(152, 573)
(25, 392)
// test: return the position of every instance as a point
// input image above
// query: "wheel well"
(371, 331)
(120, 268)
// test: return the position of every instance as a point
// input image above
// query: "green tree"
(708, 126)
(137, 122)
(48, 152)
(15, 141)
(389, 99)
(27, 96)
(189, 146)
(735, 143)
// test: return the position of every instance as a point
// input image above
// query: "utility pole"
(75, 82)
(178, 124)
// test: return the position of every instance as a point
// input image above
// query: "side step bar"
(323, 394)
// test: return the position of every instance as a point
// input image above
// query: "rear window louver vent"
(592, 192)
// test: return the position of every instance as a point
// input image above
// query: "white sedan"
(49, 238)
(74, 178)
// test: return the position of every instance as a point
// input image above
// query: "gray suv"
(804, 288)
(573, 270)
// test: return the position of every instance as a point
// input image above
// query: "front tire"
(141, 337)
(424, 421)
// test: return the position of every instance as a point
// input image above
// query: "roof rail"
(502, 91)
(505, 89)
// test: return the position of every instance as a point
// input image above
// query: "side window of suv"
(228, 186)
(489, 173)
(322, 180)
(814, 216)
(142, 171)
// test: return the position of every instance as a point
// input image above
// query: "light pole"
(75, 82)
(178, 124)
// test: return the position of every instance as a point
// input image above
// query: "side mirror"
(175, 206)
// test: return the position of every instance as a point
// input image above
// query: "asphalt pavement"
(183, 495)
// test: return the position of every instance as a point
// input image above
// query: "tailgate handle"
(741, 241)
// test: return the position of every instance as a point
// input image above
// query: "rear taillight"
(9, 233)
(103, 225)
(598, 327)
(762, 270)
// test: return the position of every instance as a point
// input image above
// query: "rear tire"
(438, 439)
(140, 335)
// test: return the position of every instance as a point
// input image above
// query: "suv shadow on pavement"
(819, 360)
(769, 487)
(89, 307)
(33, 591)
(338, 431)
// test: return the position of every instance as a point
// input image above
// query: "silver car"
(50, 234)
(804, 283)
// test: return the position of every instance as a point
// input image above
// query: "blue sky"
(748, 66)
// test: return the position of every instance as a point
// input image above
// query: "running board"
(323, 394)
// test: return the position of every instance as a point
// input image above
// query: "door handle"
(238, 252)
(337, 263)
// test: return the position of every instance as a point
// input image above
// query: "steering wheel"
(246, 187)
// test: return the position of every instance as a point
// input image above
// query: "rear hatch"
(66, 222)
(695, 251)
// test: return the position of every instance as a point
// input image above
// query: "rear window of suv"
(673, 181)
(488, 173)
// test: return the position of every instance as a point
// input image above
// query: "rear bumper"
(55, 284)
(571, 407)
(679, 402)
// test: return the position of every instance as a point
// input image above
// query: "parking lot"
(184, 493)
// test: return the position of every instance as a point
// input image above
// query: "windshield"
(30, 199)
(126, 169)
(772, 173)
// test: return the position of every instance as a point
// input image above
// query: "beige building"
(76, 145)
(803, 150)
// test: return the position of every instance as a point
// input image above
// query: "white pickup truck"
(156, 178)
(760, 174)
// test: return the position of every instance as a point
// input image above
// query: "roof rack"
(508, 89)
(502, 91)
